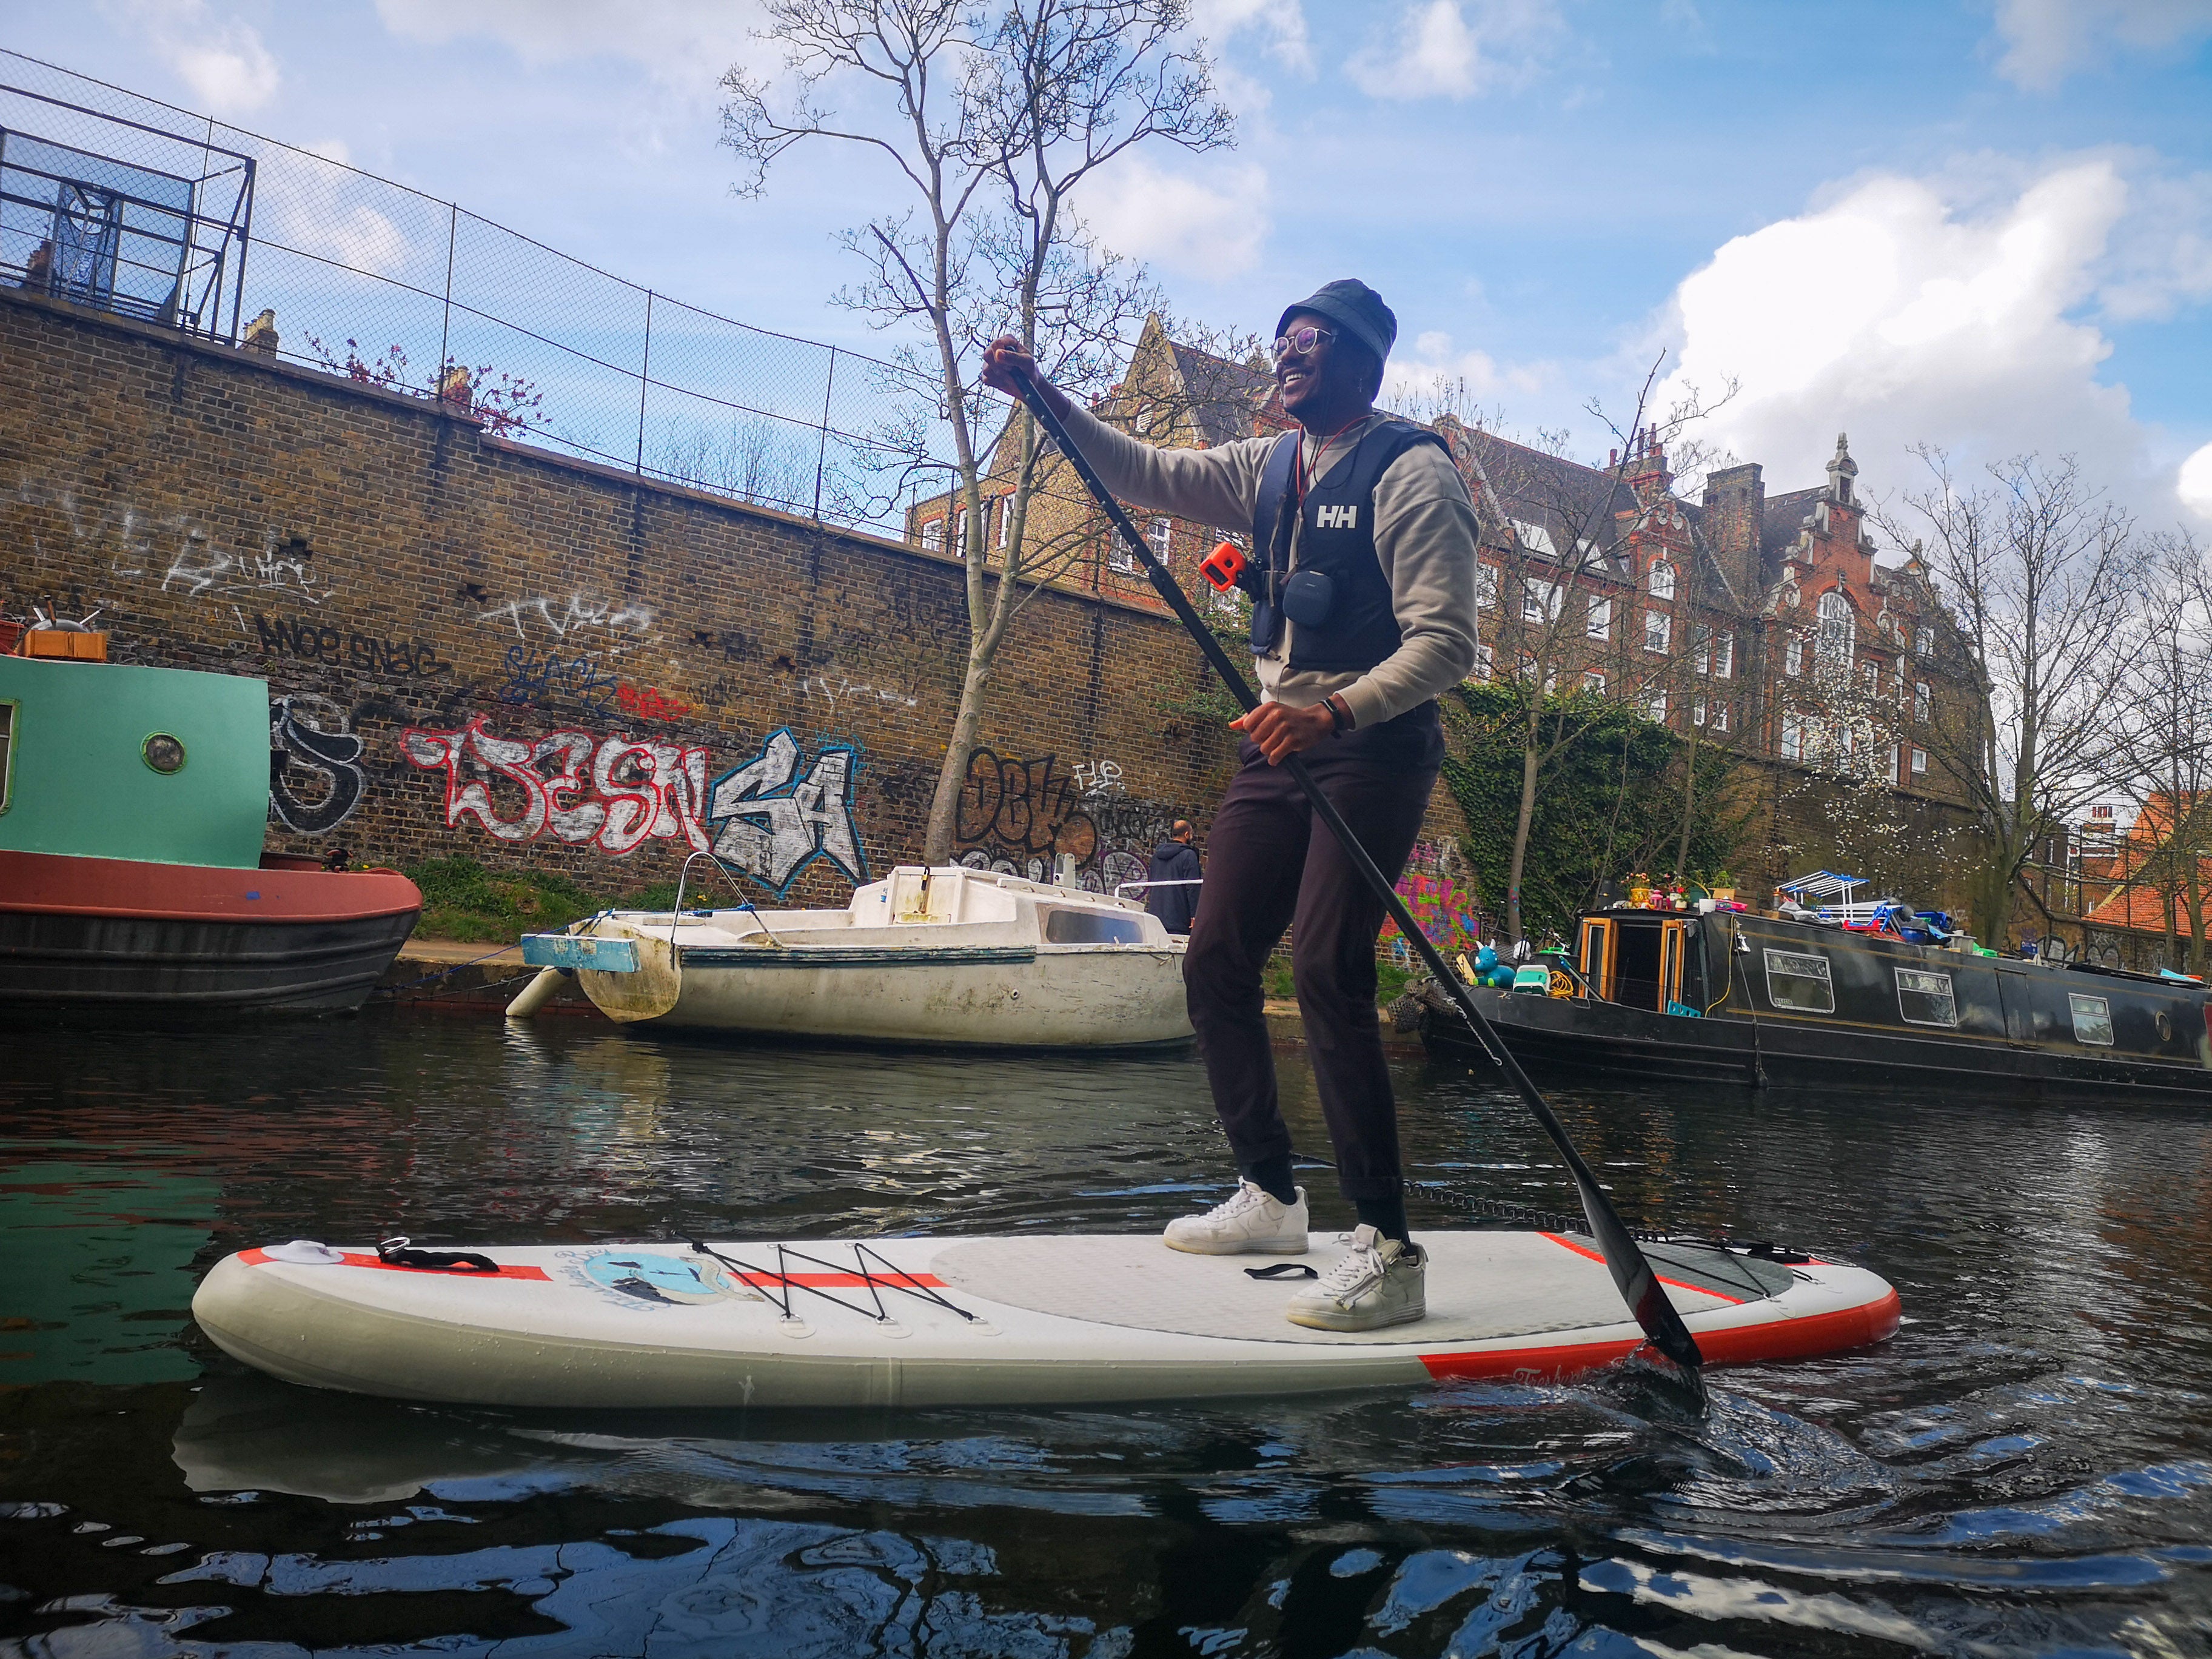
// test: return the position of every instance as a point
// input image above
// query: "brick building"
(1762, 622)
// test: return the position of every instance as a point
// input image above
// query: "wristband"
(1340, 713)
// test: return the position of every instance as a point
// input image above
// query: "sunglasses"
(1302, 340)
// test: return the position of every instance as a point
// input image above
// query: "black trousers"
(1269, 866)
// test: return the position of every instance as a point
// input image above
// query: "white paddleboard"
(1011, 1320)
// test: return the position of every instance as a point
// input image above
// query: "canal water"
(2027, 1467)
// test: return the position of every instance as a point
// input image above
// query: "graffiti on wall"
(1020, 817)
(613, 792)
(534, 675)
(309, 735)
(772, 823)
(576, 614)
(1445, 905)
(314, 642)
(649, 704)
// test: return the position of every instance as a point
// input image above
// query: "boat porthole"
(2164, 1027)
(164, 753)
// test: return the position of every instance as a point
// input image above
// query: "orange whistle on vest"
(1223, 566)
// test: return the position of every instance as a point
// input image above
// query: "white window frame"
(1160, 532)
(1793, 656)
(1871, 672)
(1931, 984)
(1540, 600)
(1698, 711)
(1593, 680)
(1922, 702)
(1006, 520)
(1485, 586)
(1724, 656)
(1838, 641)
(1825, 978)
(1598, 625)
(1919, 761)
(1658, 625)
(1721, 715)
(2098, 1011)
(1923, 641)
(1792, 742)
(1660, 580)
(933, 535)
(1486, 661)
(1654, 708)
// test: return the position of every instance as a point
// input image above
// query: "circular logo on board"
(651, 1277)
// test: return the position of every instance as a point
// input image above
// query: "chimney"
(1735, 513)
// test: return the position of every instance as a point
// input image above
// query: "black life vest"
(1337, 540)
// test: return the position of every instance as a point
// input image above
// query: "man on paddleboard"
(1363, 580)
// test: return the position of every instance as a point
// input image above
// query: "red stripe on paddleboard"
(843, 1281)
(1783, 1338)
(1700, 1289)
(257, 1258)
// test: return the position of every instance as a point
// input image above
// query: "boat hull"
(996, 996)
(977, 1322)
(91, 936)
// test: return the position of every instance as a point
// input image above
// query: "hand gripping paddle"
(1638, 1284)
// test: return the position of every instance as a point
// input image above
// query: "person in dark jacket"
(1175, 860)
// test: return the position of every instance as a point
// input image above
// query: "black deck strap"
(1283, 1270)
(393, 1252)
(789, 1284)
(913, 1287)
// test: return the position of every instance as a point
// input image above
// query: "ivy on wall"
(1609, 805)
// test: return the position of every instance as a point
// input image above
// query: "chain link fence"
(113, 199)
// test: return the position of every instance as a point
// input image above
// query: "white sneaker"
(1378, 1281)
(1253, 1223)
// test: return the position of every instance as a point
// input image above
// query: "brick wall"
(473, 647)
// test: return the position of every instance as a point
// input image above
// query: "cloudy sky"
(1985, 224)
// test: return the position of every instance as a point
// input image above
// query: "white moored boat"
(947, 955)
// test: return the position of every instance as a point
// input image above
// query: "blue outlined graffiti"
(533, 676)
(771, 823)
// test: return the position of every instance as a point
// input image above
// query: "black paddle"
(1638, 1284)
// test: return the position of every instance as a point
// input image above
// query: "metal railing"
(401, 290)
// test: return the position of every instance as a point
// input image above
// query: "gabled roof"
(1228, 401)
(1786, 516)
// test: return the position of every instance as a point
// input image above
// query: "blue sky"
(1985, 224)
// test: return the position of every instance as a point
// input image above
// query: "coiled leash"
(397, 1252)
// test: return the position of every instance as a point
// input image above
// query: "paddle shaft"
(1638, 1286)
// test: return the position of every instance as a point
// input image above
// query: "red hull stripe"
(1699, 1290)
(1745, 1345)
(353, 1258)
(52, 883)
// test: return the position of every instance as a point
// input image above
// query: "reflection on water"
(2023, 1469)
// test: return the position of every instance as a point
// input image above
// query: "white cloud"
(1434, 362)
(1457, 48)
(1907, 309)
(1281, 22)
(1178, 222)
(2046, 40)
(222, 60)
(677, 40)
(2193, 484)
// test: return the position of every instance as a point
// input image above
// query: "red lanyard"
(1300, 483)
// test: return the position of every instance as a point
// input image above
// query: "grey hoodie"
(1425, 538)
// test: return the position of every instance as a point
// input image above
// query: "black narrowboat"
(1745, 998)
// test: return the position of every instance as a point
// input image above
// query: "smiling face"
(1329, 385)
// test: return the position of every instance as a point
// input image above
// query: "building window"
(1920, 700)
(1919, 762)
(1697, 712)
(960, 532)
(1535, 538)
(1870, 675)
(1656, 708)
(1005, 519)
(1540, 601)
(1923, 641)
(1793, 659)
(1793, 737)
(933, 535)
(1658, 631)
(1839, 630)
(1721, 715)
(1897, 762)
(1485, 662)
(1593, 681)
(1662, 580)
(1701, 648)
(1601, 619)
(1157, 532)
(1724, 657)
(1485, 586)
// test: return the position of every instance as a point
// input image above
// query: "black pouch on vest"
(1308, 597)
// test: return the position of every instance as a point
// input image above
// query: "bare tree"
(2039, 572)
(2167, 732)
(991, 116)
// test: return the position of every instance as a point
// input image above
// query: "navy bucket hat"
(1356, 308)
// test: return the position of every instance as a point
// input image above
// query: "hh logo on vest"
(1336, 518)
